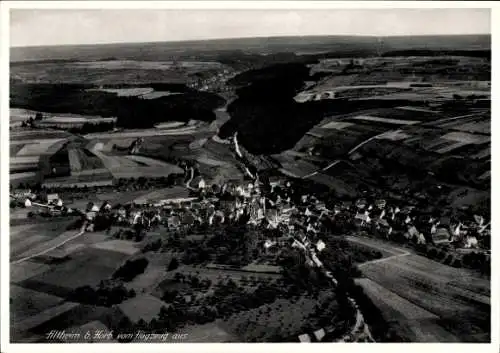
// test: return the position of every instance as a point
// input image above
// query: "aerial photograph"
(249, 176)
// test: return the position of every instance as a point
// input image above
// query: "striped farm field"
(385, 120)
(146, 172)
(166, 193)
(143, 133)
(338, 125)
(170, 125)
(114, 162)
(37, 148)
(32, 136)
(74, 160)
(157, 94)
(151, 162)
(26, 176)
(24, 160)
(128, 92)
(466, 137)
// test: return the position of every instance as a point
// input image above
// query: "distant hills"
(211, 49)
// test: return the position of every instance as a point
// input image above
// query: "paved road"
(424, 300)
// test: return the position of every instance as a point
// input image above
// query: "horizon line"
(251, 37)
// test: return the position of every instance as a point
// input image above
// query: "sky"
(58, 27)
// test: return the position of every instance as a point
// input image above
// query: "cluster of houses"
(420, 228)
(50, 204)
(216, 82)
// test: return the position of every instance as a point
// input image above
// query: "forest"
(131, 112)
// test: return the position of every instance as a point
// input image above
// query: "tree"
(173, 265)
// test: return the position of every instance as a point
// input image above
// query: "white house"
(320, 245)
(319, 334)
(305, 338)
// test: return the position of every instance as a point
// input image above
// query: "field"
(121, 246)
(85, 267)
(39, 288)
(385, 120)
(27, 147)
(162, 194)
(27, 302)
(158, 94)
(27, 236)
(143, 306)
(432, 300)
(208, 333)
(128, 92)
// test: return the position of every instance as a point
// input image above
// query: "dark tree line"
(131, 112)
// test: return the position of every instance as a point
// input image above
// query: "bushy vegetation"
(108, 293)
(130, 269)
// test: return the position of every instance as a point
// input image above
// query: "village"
(274, 205)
